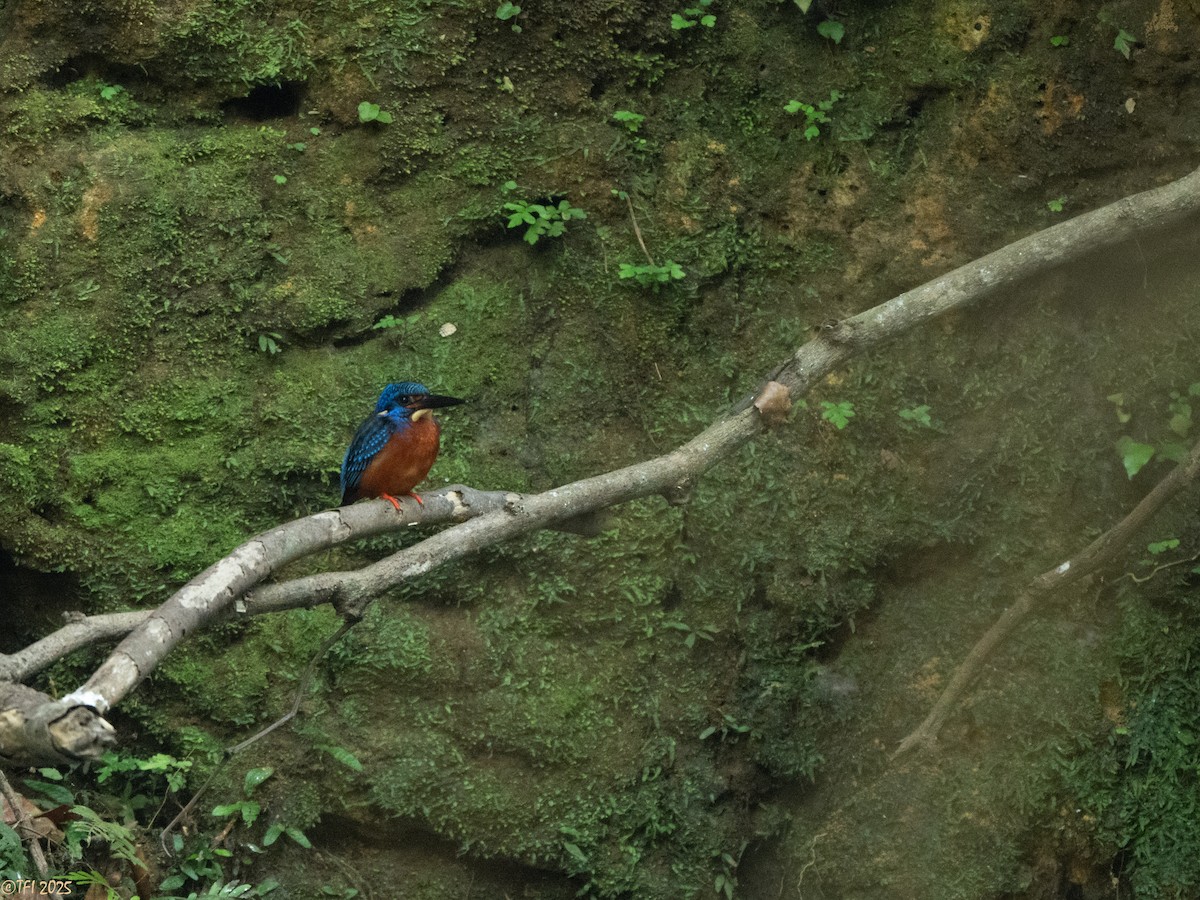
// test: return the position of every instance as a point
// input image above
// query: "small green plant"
(814, 116)
(726, 882)
(833, 30)
(690, 634)
(298, 146)
(111, 91)
(1136, 454)
(1124, 42)
(197, 866)
(342, 755)
(506, 11)
(13, 863)
(1157, 547)
(279, 829)
(314, 131)
(631, 120)
(280, 179)
(1060, 40)
(694, 15)
(1056, 205)
(542, 219)
(390, 321)
(652, 275)
(918, 415)
(269, 341)
(728, 729)
(370, 112)
(837, 414)
(1180, 409)
(160, 764)
(1118, 400)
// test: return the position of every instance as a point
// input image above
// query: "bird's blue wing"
(368, 441)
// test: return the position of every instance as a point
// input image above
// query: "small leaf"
(298, 836)
(1162, 546)
(367, 111)
(1123, 42)
(811, 132)
(1173, 451)
(1134, 455)
(835, 31)
(255, 777)
(793, 107)
(1181, 421)
(837, 414)
(1060, 40)
(804, 5)
(679, 23)
(708, 21)
(55, 792)
(384, 118)
(281, 179)
(341, 754)
(578, 855)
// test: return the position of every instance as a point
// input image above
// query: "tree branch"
(1095, 555)
(487, 518)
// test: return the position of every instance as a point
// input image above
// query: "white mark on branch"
(1063, 568)
(87, 698)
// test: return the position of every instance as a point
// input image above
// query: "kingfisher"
(394, 449)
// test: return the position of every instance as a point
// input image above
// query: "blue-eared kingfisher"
(394, 449)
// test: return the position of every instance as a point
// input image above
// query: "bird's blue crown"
(399, 389)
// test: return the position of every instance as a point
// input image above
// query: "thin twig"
(21, 820)
(1136, 579)
(637, 231)
(237, 748)
(1098, 553)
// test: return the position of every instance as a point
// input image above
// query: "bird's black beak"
(435, 401)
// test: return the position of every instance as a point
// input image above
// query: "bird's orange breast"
(404, 461)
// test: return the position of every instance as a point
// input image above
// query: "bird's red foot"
(396, 503)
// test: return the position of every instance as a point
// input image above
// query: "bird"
(394, 449)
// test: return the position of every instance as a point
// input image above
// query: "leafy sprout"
(370, 112)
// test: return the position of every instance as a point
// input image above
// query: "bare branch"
(1095, 555)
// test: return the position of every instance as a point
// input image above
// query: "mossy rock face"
(210, 264)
